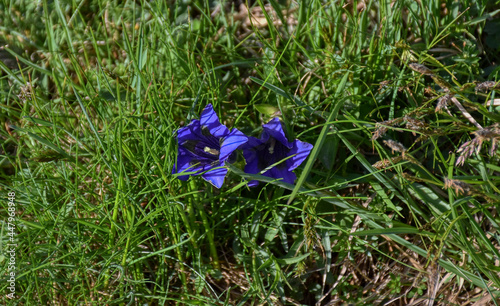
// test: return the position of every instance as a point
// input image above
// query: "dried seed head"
(485, 86)
(491, 133)
(26, 92)
(379, 132)
(395, 146)
(414, 124)
(411, 159)
(422, 138)
(488, 133)
(381, 127)
(384, 163)
(383, 85)
(494, 147)
(441, 83)
(392, 122)
(466, 150)
(443, 102)
(420, 68)
(459, 186)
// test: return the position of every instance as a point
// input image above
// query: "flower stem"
(196, 202)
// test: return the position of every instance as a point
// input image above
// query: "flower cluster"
(491, 133)
(205, 145)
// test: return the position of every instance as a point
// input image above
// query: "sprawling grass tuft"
(397, 203)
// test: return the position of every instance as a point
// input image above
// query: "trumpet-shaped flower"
(204, 147)
(271, 148)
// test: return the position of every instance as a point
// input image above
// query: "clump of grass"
(383, 212)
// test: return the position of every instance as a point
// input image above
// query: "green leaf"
(321, 138)
(267, 109)
(393, 230)
(283, 93)
(89, 224)
(292, 260)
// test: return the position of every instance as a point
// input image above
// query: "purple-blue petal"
(252, 161)
(190, 132)
(252, 167)
(301, 151)
(274, 129)
(287, 176)
(210, 120)
(204, 147)
(215, 176)
(231, 142)
(184, 159)
(251, 144)
(272, 147)
(253, 183)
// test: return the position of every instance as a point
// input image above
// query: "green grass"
(92, 93)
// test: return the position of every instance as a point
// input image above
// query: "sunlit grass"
(397, 202)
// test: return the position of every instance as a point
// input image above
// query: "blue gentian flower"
(272, 147)
(204, 146)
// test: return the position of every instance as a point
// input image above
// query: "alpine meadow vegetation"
(249, 152)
